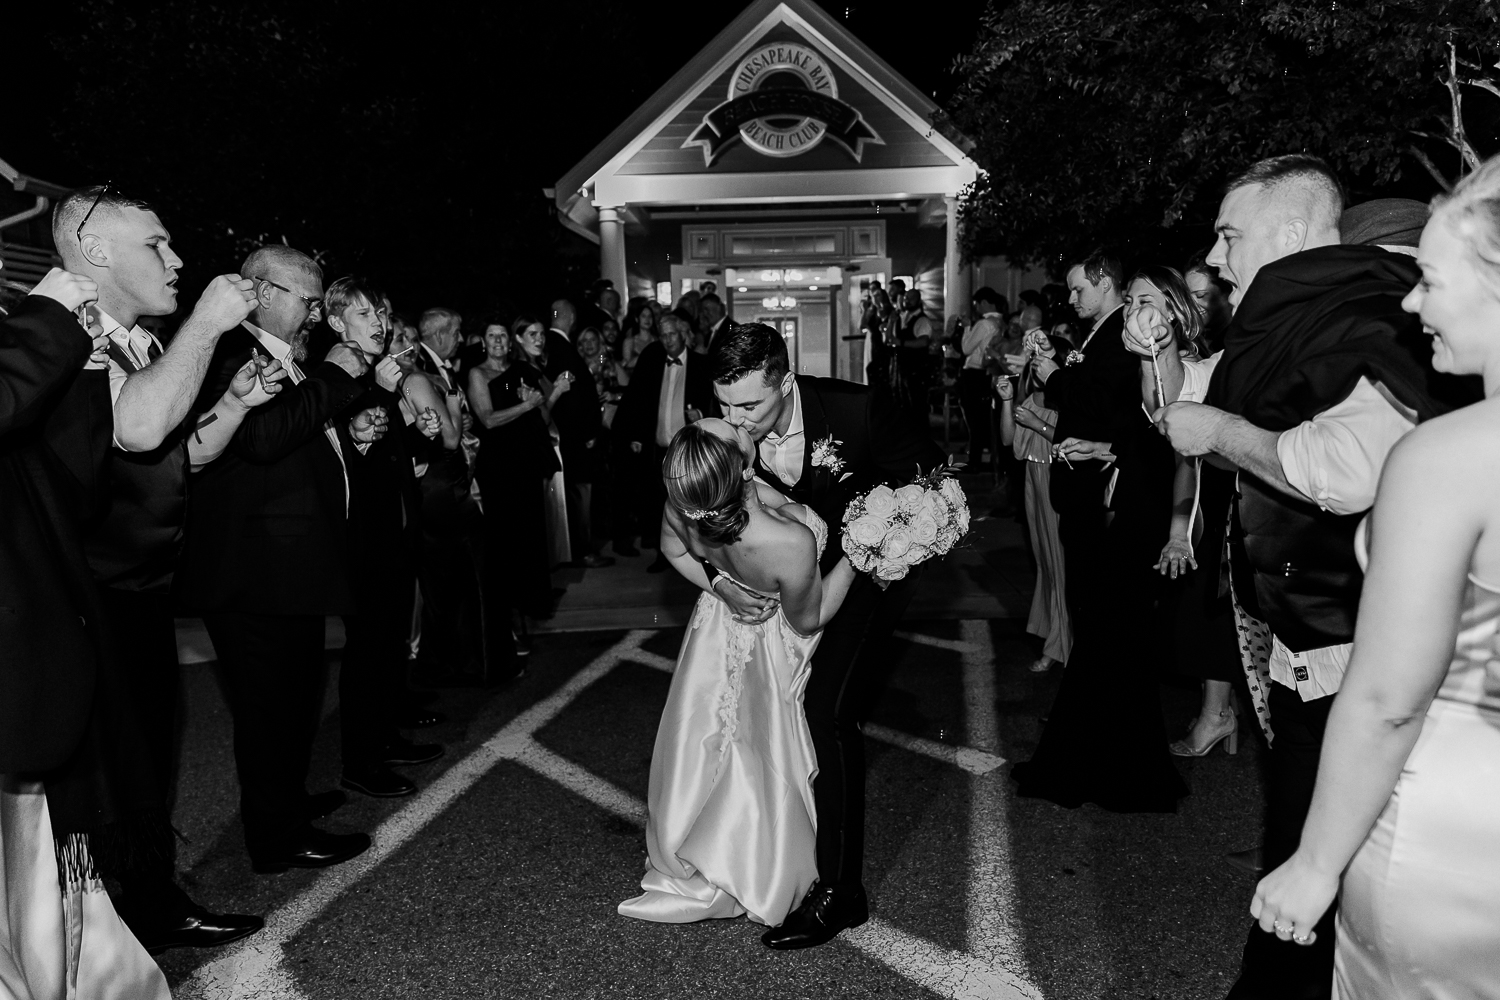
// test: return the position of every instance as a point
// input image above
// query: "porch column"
(955, 274)
(612, 249)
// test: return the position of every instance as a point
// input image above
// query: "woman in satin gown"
(731, 828)
(1407, 803)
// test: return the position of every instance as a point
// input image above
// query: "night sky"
(410, 143)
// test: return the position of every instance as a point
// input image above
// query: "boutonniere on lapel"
(1075, 357)
(826, 456)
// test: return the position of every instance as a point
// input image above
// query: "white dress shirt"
(135, 342)
(783, 454)
(672, 400)
(282, 351)
(1334, 460)
(977, 340)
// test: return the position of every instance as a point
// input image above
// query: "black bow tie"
(674, 361)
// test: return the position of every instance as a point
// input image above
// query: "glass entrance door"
(800, 302)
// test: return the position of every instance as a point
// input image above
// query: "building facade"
(787, 167)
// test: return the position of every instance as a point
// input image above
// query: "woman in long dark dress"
(509, 399)
(1104, 741)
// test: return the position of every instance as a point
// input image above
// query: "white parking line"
(253, 970)
(993, 968)
(971, 760)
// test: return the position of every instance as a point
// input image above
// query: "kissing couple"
(757, 791)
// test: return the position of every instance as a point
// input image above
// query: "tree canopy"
(1118, 121)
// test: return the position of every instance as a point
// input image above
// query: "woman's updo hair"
(704, 475)
(1474, 210)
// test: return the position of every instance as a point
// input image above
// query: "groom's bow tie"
(674, 361)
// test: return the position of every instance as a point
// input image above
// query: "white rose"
(881, 502)
(916, 554)
(910, 497)
(924, 528)
(934, 504)
(952, 490)
(897, 542)
(867, 531)
(891, 571)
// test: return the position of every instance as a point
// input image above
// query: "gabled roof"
(655, 140)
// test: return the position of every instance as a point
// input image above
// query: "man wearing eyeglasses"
(266, 557)
(121, 244)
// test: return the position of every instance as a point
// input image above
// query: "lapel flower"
(826, 456)
(1075, 357)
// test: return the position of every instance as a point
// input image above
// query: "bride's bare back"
(776, 549)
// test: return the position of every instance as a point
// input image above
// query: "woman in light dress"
(1407, 806)
(731, 828)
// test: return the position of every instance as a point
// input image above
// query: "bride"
(731, 828)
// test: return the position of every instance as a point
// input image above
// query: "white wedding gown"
(732, 828)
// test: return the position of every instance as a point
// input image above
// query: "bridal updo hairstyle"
(705, 482)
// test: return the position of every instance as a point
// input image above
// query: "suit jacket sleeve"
(42, 348)
(1098, 394)
(271, 432)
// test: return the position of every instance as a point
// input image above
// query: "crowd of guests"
(298, 449)
(1201, 450)
(1194, 453)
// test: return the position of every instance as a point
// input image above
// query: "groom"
(823, 442)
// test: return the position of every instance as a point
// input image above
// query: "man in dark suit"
(788, 416)
(54, 445)
(265, 555)
(132, 545)
(578, 417)
(1094, 391)
(714, 319)
(670, 387)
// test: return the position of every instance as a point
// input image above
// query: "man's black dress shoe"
(312, 848)
(377, 781)
(324, 803)
(1251, 861)
(419, 718)
(407, 752)
(825, 910)
(195, 928)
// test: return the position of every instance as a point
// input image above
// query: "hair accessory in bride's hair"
(696, 515)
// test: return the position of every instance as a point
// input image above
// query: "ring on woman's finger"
(1280, 928)
(1303, 938)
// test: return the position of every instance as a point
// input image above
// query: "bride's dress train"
(732, 828)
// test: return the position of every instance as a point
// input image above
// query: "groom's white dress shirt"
(783, 454)
(282, 351)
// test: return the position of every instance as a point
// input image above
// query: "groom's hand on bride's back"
(746, 606)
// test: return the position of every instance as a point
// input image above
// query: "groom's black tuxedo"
(850, 667)
(875, 443)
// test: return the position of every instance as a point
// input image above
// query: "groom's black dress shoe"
(312, 848)
(826, 910)
(195, 928)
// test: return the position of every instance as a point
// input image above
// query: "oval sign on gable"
(783, 100)
(782, 66)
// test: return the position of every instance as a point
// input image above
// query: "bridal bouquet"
(887, 532)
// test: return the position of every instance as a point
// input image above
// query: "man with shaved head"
(1321, 374)
(121, 244)
(265, 559)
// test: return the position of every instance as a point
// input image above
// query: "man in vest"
(1321, 374)
(121, 244)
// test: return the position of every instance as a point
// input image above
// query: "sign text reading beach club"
(782, 101)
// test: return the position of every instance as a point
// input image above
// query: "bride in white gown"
(732, 827)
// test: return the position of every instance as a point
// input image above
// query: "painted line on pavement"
(948, 973)
(968, 758)
(952, 645)
(994, 934)
(582, 782)
(254, 970)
